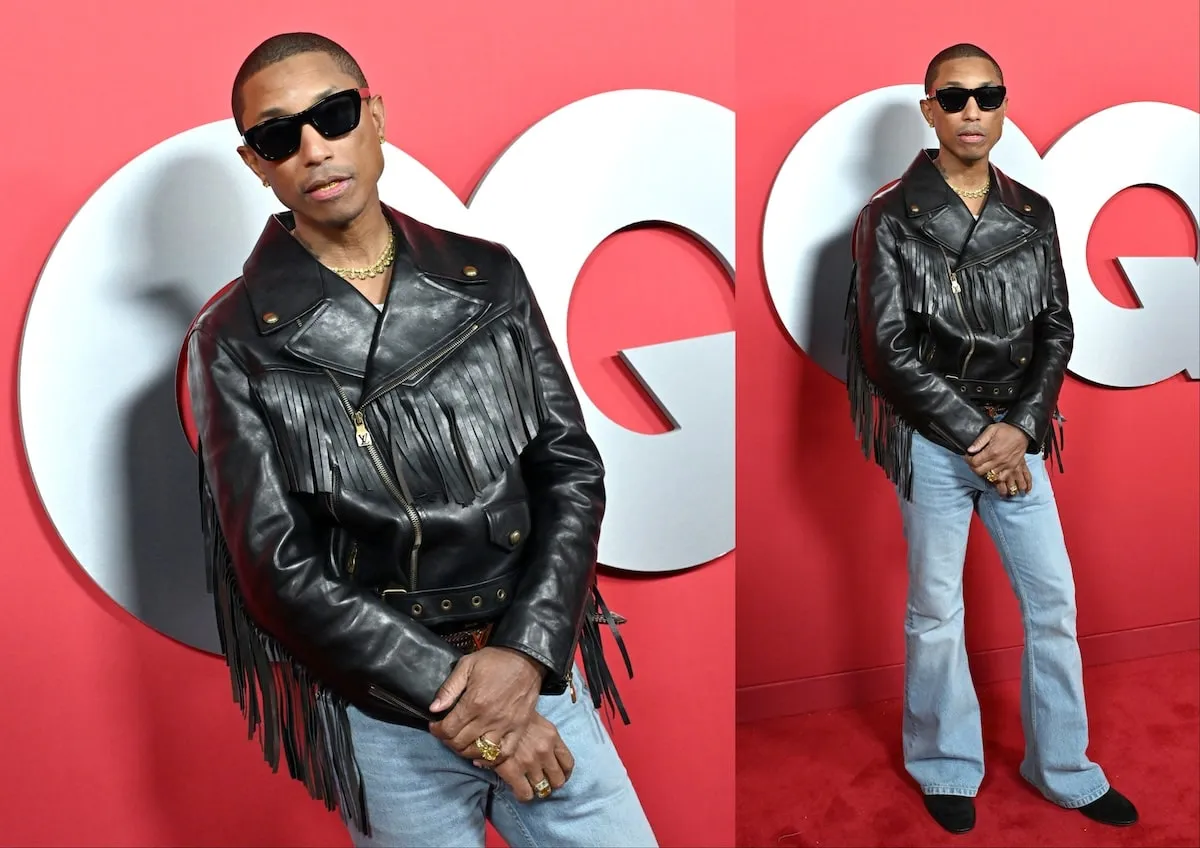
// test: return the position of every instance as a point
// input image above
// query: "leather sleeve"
(1053, 340)
(280, 562)
(565, 476)
(889, 342)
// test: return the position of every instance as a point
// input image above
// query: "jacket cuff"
(535, 641)
(1024, 420)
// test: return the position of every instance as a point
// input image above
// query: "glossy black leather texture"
(373, 481)
(954, 321)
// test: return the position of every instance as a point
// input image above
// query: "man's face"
(329, 181)
(970, 134)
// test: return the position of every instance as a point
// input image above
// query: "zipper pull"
(955, 287)
(571, 683)
(361, 433)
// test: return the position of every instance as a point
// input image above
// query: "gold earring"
(381, 139)
(266, 182)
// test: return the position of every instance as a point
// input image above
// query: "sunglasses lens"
(990, 97)
(337, 115)
(275, 140)
(953, 99)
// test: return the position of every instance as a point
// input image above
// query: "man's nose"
(314, 147)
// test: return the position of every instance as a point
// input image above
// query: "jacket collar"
(1010, 213)
(438, 287)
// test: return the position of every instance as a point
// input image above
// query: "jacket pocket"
(508, 524)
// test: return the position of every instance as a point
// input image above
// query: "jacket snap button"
(501, 594)
(476, 601)
(1028, 208)
(270, 318)
(1022, 360)
(416, 609)
(446, 605)
(514, 537)
(470, 271)
(914, 208)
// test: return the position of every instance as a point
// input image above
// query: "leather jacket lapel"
(434, 297)
(1005, 220)
(943, 218)
(421, 318)
(340, 333)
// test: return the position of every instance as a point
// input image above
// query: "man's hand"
(493, 692)
(1020, 478)
(539, 753)
(1000, 448)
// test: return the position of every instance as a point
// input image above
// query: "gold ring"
(488, 749)
(542, 788)
(990, 476)
(1012, 490)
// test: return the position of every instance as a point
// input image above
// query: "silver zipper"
(432, 359)
(363, 436)
(957, 289)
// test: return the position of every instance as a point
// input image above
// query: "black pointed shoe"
(1111, 808)
(955, 813)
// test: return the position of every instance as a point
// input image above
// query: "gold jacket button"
(470, 271)
(270, 318)
(514, 537)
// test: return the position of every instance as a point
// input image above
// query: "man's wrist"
(533, 662)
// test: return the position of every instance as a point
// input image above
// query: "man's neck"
(964, 175)
(357, 245)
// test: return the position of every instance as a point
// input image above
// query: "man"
(402, 505)
(961, 335)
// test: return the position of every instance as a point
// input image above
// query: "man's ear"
(252, 162)
(378, 114)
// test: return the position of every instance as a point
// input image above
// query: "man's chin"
(969, 154)
(336, 215)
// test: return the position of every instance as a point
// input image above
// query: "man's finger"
(452, 687)
(984, 438)
(565, 760)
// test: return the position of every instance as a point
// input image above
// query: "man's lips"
(327, 187)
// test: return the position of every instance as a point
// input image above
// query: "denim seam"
(1026, 615)
(948, 789)
(516, 814)
(1084, 800)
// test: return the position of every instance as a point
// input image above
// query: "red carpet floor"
(837, 778)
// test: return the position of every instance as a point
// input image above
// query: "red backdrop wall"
(821, 576)
(113, 734)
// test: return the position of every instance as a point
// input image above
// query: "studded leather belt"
(992, 393)
(463, 605)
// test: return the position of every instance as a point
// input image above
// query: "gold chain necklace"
(970, 194)
(975, 192)
(389, 254)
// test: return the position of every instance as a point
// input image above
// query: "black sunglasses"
(954, 99)
(335, 115)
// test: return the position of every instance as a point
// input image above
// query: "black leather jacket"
(955, 321)
(376, 484)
